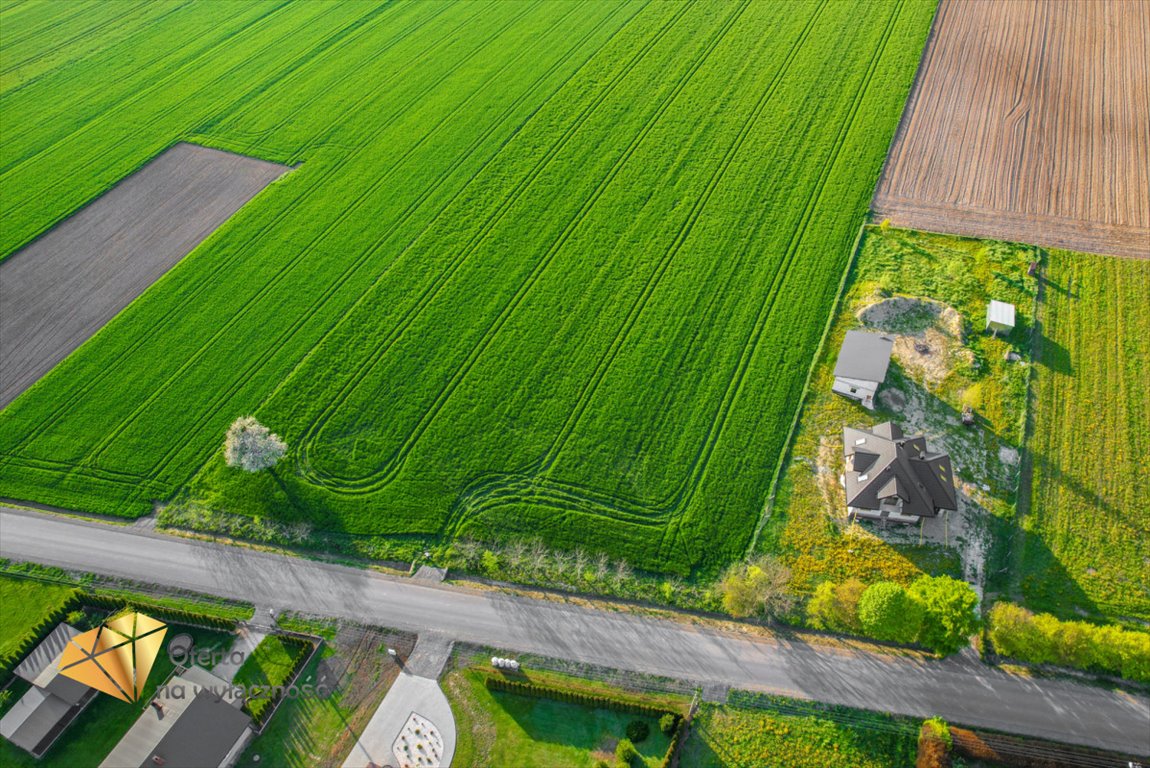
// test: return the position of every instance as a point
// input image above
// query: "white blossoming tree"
(251, 446)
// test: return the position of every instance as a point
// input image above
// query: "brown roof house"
(53, 701)
(893, 477)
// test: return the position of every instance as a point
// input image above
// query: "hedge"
(598, 701)
(1044, 639)
(115, 602)
(33, 637)
(259, 706)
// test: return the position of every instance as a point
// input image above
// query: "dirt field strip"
(1029, 122)
(62, 288)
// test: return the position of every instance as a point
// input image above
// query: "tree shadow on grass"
(575, 725)
(1023, 568)
(1055, 357)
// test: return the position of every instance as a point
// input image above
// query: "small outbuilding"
(889, 476)
(54, 700)
(999, 317)
(862, 365)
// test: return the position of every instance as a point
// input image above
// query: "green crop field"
(543, 269)
(1085, 547)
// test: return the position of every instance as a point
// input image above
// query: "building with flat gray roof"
(53, 701)
(862, 365)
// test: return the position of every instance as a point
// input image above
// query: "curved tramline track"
(538, 489)
(384, 473)
(544, 270)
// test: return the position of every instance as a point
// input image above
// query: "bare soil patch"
(1029, 121)
(56, 292)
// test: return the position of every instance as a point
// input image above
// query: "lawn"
(544, 269)
(724, 736)
(495, 728)
(270, 664)
(943, 283)
(319, 731)
(98, 729)
(26, 604)
(1086, 542)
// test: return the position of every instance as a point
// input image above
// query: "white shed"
(999, 317)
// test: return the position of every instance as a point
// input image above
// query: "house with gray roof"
(890, 476)
(862, 365)
(194, 721)
(54, 700)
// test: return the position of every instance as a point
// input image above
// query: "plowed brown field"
(1029, 121)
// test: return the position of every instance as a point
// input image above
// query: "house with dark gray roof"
(890, 476)
(54, 700)
(194, 721)
(862, 365)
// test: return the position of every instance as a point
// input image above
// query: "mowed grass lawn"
(547, 270)
(495, 728)
(1086, 543)
(24, 604)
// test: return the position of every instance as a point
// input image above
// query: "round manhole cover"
(180, 648)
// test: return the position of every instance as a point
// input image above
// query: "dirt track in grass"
(1029, 121)
(59, 290)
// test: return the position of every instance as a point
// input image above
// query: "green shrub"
(625, 751)
(835, 606)
(887, 612)
(668, 723)
(949, 612)
(1044, 639)
(758, 587)
(934, 743)
(638, 731)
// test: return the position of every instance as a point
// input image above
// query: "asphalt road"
(959, 690)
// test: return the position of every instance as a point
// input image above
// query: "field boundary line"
(289, 266)
(788, 446)
(203, 284)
